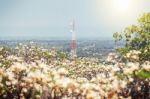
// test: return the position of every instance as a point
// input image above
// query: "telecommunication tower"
(73, 40)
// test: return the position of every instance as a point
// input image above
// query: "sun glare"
(121, 5)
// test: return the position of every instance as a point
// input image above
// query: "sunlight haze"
(51, 18)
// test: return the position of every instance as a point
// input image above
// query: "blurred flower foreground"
(30, 72)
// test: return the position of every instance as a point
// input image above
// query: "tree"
(137, 37)
(117, 37)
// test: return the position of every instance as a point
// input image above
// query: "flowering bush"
(31, 72)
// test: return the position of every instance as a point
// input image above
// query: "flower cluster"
(133, 55)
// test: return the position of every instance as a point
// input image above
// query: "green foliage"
(61, 55)
(117, 36)
(143, 74)
(137, 37)
(4, 51)
(121, 76)
(7, 63)
(123, 51)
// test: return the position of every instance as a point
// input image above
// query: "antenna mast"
(73, 40)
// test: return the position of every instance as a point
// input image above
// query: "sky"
(51, 18)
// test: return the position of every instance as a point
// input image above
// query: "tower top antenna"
(72, 25)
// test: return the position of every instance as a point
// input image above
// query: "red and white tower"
(73, 40)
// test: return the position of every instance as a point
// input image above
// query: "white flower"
(131, 79)
(27, 80)
(18, 67)
(14, 82)
(128, 55)
(37, 86)
(64, 82)
(8, 83)
(24, 90)
(10, 75)
(130, 64)
(139, 88)
(62, 71)
(146, 67)
(92, 95)
(127, 71)
(135, 57)
(123, 84)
